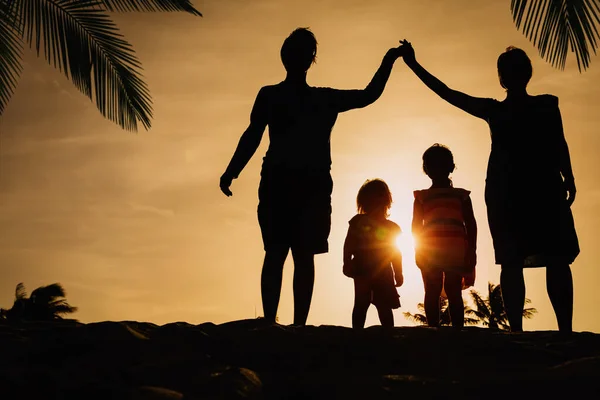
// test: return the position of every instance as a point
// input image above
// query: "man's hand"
(408, 52)
(224, 184)
(571, 190)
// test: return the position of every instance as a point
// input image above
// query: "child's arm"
(397, 267)
(248, 143)
(475, 106)
(471, 228)
(417, 227)
(349, 249)
(345, 100)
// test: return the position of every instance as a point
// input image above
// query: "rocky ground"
(249, 360)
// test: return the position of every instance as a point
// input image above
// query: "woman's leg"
(362, 301)
(512, 282)
(453, 287)
(559, 284)
(433, 281)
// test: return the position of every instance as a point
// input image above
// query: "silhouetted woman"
(529, 185)
(294, 210)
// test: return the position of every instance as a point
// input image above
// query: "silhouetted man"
(294, 210)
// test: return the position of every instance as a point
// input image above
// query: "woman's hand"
(408, 52)
(571, 190)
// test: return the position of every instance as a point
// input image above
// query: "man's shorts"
(294, 210)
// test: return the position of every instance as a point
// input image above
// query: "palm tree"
(420, 319)
(555, 26)
(79, 38)
(491, 312)
(46, 303)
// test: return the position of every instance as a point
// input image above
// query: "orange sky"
(135, 227)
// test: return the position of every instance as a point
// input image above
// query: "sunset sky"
(134, 225)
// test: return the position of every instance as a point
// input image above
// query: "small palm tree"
(445, 320)
(490, 310)
(46, 303)
(80, 39)
(555, 26)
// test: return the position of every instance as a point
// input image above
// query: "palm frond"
(418, 319)
(20, 292)
(555, 26)
(529, 312)
(151, 5)
(80, 39)
(11, 53)
(47, 294)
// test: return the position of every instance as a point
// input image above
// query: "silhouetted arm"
(417, 221)
(397, 264)
(566, 169)
(477, 106)
(248, 143)
(417, 229)
(471, 228)
(345, 100)
(349, 251)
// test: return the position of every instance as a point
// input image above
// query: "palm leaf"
(80, 39)
(418, 319)
(11, 52)
(555, 26)
(20, 292)
(48, 294)
(151, 5)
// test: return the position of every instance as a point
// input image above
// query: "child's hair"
(438, 162)
(374, 194)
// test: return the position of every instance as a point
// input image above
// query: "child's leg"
(513, 295)
(271, 277)
(559, 284)
(453, 287)
(304, 281)
(386, 316)
(433, 280)
(362, 301)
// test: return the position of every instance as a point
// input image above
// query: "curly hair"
(438, 161)
(374, 194)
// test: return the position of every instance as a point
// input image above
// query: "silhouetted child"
(445, 234)
(371, 257)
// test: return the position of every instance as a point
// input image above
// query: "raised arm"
(248, 143)
(476, 106)
(345, 100)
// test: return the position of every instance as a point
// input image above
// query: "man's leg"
(304, 280)
(271, 278)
